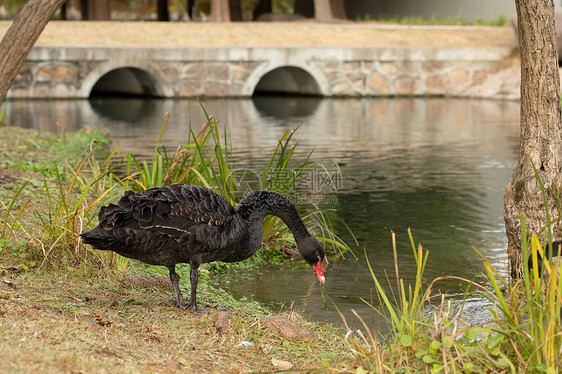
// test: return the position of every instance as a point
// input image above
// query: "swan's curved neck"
(259, 204)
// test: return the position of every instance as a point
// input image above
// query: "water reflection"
(438, 166)
(291, 107)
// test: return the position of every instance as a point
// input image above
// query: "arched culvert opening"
(287, 80)
(127, 81)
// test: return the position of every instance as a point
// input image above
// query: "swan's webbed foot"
(198, 310)
(187, 307)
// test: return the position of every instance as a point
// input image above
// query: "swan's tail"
(97, 238)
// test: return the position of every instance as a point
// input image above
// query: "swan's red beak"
(320, 272)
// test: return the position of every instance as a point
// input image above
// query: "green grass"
(38, 205)
(10, 221)
(46, 154)
(437, 21)
(2, 113)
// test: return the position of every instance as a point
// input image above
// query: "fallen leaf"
(182, 361)
(245, 343)
(155, 338)
(283, 365)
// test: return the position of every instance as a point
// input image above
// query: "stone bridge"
(83, 71)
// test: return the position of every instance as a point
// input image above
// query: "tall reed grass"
(74, 195)
(10, 220)
(523, 335)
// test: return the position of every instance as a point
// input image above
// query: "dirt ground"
(298, 34)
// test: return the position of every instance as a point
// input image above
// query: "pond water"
(437, 166)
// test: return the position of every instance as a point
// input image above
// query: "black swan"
(183, 223)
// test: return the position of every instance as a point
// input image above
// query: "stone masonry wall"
(374, 78)
(214, 79)
(229, 72)
(50, 79)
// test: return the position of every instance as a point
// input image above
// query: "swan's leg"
(175, 279)
(194, 277)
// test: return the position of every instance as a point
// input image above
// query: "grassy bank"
(67, 308)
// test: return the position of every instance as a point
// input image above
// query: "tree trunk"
(220, 11)
(63, 9)
(263, 7)
(95, 10)
(191, 9)
(322, 10)
(235, 9)
(541, 133)
(162, 10)
(99, 10)
(84, 9)
(304, 8)
(338, 9)
(21, 36)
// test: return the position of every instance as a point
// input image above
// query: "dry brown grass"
(268, 34)
(57, 322)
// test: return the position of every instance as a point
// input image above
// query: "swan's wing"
(175, 210)
(199, 204)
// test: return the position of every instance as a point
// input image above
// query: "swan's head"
(313, 253)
